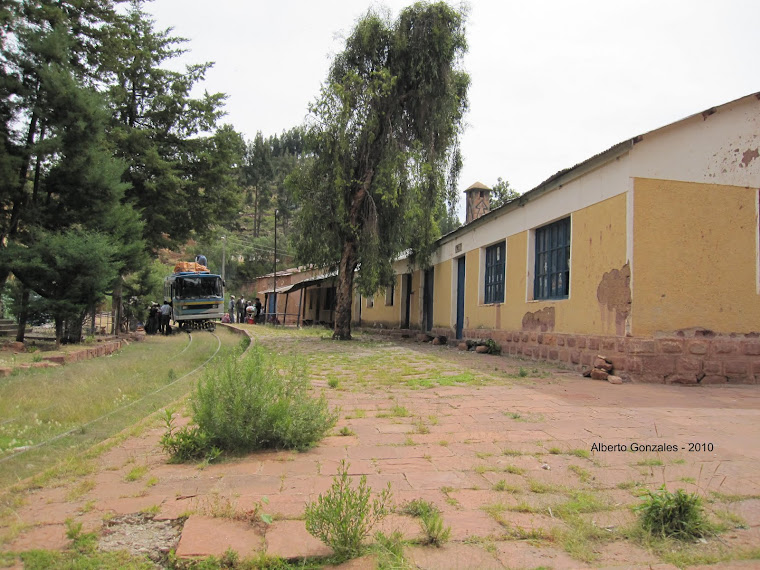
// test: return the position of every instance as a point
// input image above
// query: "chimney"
(478, 201)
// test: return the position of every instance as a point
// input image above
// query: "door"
(427, 301)
(460, 296)
(407, 298)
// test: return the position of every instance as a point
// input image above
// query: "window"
(370, 302)
(330, 299)
(494, 282)
(389, 293)
(553, 261)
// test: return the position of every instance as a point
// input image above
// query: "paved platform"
(495, 456)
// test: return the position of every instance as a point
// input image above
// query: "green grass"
(649, 463)
(136, 473)
(583, 474)
(84, 403)
(514, 470)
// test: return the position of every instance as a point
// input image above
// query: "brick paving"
(531, 436)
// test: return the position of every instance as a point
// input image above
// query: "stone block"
(751, 348)
(6, 370)
(614, 379)
(481, 349)
(593, 343)
(597, 374)
(560, 340)
(724, 347)
(642, 347)
(661, 365)
(550, 340)
(463, 346)
(689, 364)
(525, 337)
(618, 362)
(572, 341)
(422, 337)
(671, 346)
(698, 347)
(587, 358)
(14, 347)
(57, 358)
(601, 363)
(683, 379)
(712, 367)
(736, 368)
(540, 338)
(714, 379)
(608, 344)
(575, 356)
(564, 355)
(634, 364)
(543, 352)
(436, 342)
(553, 354)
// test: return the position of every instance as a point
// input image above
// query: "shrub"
(430, 520)
(248, 404)
(343, 517)
(186, 443)
(259, 402)
(675, 515)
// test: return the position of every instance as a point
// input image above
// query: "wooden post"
(285, 313)
(300, 304)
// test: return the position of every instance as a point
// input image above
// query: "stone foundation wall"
(685, 357)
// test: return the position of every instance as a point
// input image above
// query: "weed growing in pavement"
(344, 516)
(390, 551)
(431, 520)
(677, 515)
(582, 473)
(333, 382)
(346, 431)
(248, 404)
(502, 486)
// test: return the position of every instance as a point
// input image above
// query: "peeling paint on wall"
(614, 293)
(749, 155)
(542, 320)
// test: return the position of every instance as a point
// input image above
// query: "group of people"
(245, 311)
(158, 318)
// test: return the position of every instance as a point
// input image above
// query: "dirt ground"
(501, 446)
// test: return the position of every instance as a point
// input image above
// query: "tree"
(501, 193)
(384, 137)
(181, 167)
(70, 269)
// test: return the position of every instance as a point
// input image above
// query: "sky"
(553, 82)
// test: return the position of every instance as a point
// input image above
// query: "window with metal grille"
(553, 261)
(494, 283)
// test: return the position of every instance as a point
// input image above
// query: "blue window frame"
(494, 282)
(553, 261)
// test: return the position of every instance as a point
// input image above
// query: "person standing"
(241, 310)
(232, 308)
(257, 309)
(166, 314)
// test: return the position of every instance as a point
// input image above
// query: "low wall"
(685, 357)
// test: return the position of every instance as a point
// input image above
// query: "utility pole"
(274, 274)
(224, 254)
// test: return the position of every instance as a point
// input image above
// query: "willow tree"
(384, 132)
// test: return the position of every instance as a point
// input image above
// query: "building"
(647, 253)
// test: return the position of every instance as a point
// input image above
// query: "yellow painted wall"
(442, 292)
(381, 314)
(598, 245)
(695, 258)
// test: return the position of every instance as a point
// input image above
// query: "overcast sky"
(553, 82)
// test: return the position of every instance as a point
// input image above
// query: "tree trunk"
(58, 331)
(345, 291)
(22, 316)
(116, 307)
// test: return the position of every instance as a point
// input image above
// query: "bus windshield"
(201, 287)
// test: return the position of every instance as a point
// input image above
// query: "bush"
(259, 402)
(344, 516)
(246, 405)
(675, 515)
